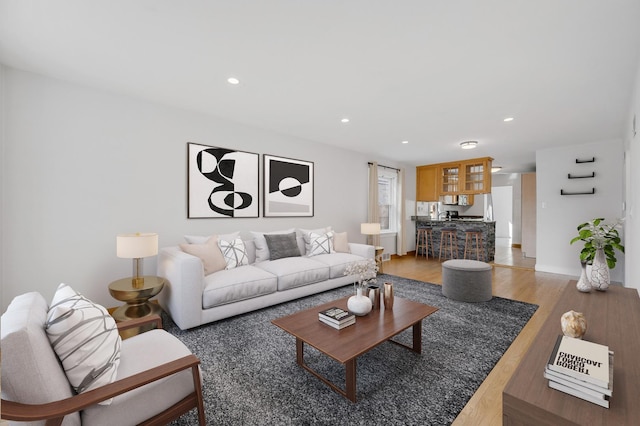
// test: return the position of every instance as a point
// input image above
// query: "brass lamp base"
(137, 282)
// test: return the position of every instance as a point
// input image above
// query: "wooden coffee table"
(346, 345)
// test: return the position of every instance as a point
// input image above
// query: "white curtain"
(401, 246)
(373, 214)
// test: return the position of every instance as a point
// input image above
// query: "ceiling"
(434, 73)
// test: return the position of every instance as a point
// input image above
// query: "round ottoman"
(466, 280)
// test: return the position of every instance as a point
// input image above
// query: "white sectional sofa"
(193, 297)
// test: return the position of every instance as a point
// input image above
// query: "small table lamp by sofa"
(370, 229)
(137, 246)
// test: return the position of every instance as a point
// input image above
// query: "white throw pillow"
(320, 244)
(305, 233)
(234, 252)
(209, 253)
(85, 338)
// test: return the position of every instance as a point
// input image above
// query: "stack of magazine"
(337, 318)
(582, 369)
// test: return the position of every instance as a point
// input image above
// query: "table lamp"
(136, 246)
(370, 229)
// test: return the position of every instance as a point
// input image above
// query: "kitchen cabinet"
(427, 183)
(476, 176)
(465, 177)
(449, 179)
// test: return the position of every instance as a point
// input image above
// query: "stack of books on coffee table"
(337, 318)
(582, 369)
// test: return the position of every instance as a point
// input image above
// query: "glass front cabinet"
(465, 177)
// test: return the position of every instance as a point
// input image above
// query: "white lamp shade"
(370, 228)
(135, 246)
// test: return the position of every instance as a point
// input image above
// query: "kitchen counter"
(462, 224)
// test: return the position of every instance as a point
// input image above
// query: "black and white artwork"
(223, 183)
(288, 187)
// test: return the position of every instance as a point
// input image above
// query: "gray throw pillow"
(282, 245)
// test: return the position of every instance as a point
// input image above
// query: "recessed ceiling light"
(345, 120)
(405, 142)
(495, 169)
(468, 144)
(508, 119)
(233, 80)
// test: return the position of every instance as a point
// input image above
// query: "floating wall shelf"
(563, 192)
(592, 175)
(591, 160)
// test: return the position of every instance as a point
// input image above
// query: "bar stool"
(470, 235)
(448, 241)
(424, 241)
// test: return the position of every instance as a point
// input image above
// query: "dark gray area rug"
(250, 375)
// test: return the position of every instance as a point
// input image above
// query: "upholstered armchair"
(157, 378)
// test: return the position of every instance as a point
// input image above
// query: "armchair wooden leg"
(197, 384)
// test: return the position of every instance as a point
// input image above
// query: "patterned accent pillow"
(282, 245)
(85, 338)
(234, 252)
(320, 244)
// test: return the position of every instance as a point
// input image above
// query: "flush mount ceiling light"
(344, 120)
(405, 142)
(495, 169)
(233, 80)
(506, 120)
(468, 144)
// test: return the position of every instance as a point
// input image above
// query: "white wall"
(632, 188)
(558, 216)
(80, 166)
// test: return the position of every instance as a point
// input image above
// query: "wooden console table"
(613, 319)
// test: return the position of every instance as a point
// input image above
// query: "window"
(387, 199)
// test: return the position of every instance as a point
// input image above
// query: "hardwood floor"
(517, 282)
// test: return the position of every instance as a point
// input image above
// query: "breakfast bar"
(487, 228)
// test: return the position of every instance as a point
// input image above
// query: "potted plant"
(600, 242)
(365, 271)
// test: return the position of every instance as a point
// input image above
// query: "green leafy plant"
(596, 234)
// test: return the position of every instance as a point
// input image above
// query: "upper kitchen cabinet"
(427, 183)
(454, 178)
(476, 176)
(449, 179)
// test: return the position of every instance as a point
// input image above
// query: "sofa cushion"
(337, 262)
(85, 338)
(209, 253)
(262, 250)
(282, 245)
(296, 271)
(31, 372)
(319, 243)
(234, 253)
(341, 242)
(139, 404)
(241, 283)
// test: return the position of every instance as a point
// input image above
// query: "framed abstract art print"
(222, 183)
(288, 187)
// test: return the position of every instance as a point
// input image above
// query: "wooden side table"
(378, 257)
(136, 297)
